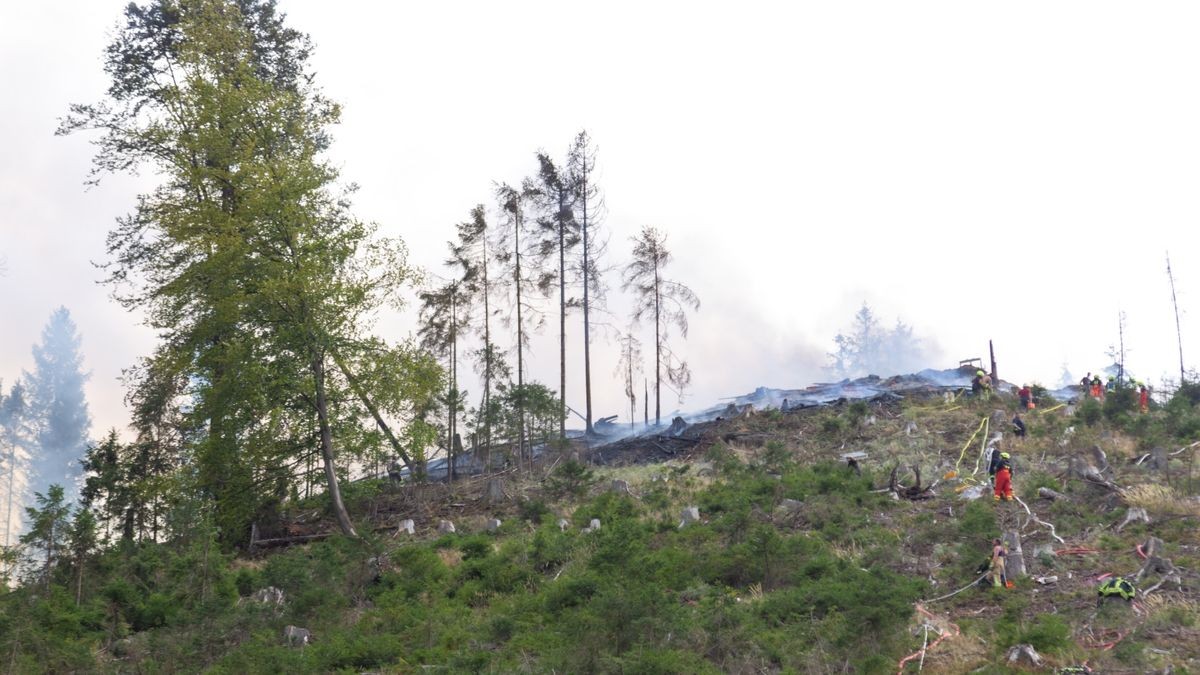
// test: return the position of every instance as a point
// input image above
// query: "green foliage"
(532, 510)
(775, 455)
(722, 458)
(1120, 404)
(856, 412)
(570, 477)
(833, 425)
(1034, 480)
(1089, 412)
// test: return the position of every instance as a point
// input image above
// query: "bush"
(571, 592)
(855, 413)
(1120, 403)
(1049, 633)
(1089, 412)
(247, 580)
(722, 458)
(532, 510)
(570, 478)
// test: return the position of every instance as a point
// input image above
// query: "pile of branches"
(914, 492)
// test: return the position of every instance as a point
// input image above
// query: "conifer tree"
(58, 407)
(555, 197)
(665, 302)
(581, 164)
(512, 253)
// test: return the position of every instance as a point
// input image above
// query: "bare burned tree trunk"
(657, 349)
(1178, 332)
(562, 320)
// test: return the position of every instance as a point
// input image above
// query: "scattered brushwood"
(1160, 501)
(914, 492)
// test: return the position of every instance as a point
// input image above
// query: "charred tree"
(665, 301)
(581, 164)
(1178, 331)
(560, 233)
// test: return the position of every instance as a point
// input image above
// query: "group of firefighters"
(1096, 388)
(1000, 469)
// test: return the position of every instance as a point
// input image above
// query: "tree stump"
(494, 491)
(1134, 515)
(1024, 656)
(620, 487)
(690, 515)
(1014, 562)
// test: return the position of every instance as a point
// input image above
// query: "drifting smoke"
(44, 422)
(870, 349)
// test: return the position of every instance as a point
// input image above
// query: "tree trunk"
(79, 581)
(487, 364)
(452, 425)
(12, 472)
(587, 333)
(335, 492)
(359, 392)
(562, 320)
(657, 349)
(1178, 332)
(632, 398)
(645, 403)
(520, 341)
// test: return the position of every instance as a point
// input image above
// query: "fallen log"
(288, 541)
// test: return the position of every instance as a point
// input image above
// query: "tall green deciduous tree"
(244, 258)
(555, 195)
(663, 300)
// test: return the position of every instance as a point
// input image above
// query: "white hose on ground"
(1039, 521)
(950, 595)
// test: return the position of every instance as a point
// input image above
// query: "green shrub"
(532, 510)
(775, 455)
(550, 548)
(1048, 633)
(475, 546)
(571, 477)
(248, 580)
(571, 592)
(722, 458)
(1089, 412)
(856, 412)
(833, 426)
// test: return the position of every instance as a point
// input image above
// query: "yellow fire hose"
(953, 473)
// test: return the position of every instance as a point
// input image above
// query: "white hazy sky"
(1011, 171)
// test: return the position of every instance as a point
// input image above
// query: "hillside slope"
(797, 563)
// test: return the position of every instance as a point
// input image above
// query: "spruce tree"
(665, 302)
(58, 407)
